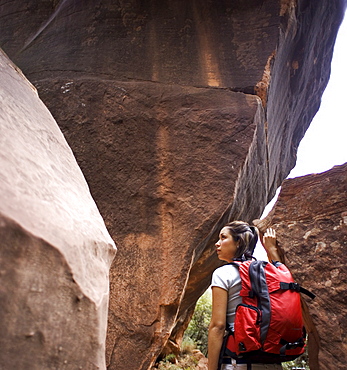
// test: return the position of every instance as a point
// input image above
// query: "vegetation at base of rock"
(300, 363)
(188, 346)
(197, 329)
(187, 360)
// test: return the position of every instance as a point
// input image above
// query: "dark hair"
(246, 235)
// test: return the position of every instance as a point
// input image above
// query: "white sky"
(325, 142)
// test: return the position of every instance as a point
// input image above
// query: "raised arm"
(269, 243)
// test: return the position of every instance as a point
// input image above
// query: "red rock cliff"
(310, 218)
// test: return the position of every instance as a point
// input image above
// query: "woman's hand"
(269, 239)
(270, 244)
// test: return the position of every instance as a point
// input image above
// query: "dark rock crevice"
(245, 90)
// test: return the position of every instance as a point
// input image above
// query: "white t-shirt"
(227, 277)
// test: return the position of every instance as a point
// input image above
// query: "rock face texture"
(310, 218)
(55, 251)
(182, 115)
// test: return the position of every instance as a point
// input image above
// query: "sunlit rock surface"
(310, 218)
(181, 115)
(55, 251)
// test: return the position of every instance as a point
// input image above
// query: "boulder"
(310, 219)
(182, 116)
(55, 251)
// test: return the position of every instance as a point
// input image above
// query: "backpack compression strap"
(298, 288)
(293, 286)
(286, 345)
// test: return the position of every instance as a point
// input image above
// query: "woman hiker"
(237, 239)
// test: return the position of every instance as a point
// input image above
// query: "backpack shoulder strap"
(237, 264)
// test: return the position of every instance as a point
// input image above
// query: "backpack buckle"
(294, 286)
(242, 347)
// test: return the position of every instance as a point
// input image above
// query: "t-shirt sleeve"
(224, 277)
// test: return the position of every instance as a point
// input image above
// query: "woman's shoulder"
(227, 273)
(226, 268)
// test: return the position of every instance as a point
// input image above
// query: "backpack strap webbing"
(286, 345)
(298, 288)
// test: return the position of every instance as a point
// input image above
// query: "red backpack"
(268, 325)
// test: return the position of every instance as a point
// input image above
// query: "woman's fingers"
(270, 245)
(269, 238)
(270, 233)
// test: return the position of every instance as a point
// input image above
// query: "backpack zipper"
(252, 308)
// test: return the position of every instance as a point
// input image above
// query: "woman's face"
(226, 245)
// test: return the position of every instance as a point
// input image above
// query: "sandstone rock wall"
(182, 115)
(310, 218)
(55, 251)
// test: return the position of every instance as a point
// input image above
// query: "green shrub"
(163, 365)
(299, 363)
(187, 346)
(197, 329)
(170, 358)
